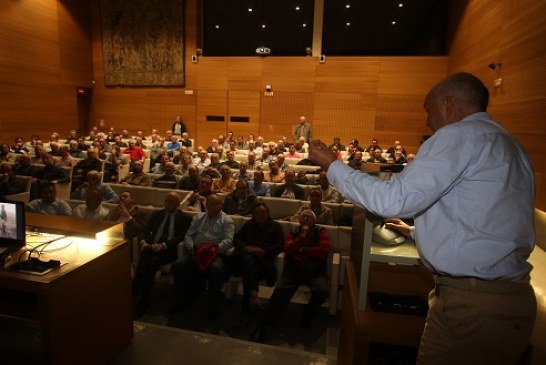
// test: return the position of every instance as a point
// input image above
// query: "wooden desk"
(83, 307)
(359, 328)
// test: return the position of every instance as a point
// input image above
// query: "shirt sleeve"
(437, 168)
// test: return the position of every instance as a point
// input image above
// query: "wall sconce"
(268, 90)
(308, 51)
(195, 57)
(322, 59)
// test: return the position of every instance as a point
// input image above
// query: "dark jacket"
(182, 222)
(298, 191)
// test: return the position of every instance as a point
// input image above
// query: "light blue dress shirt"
(471, 192)
(203, 229)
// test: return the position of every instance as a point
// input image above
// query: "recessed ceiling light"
(263, 26)
(217, 26)
(250, 10)
(400, 5)
(348, 24)
(347, 6)
(304, 25)
(393, 22)
(297, 8)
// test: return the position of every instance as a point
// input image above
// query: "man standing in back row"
(471, 191)
(303, 129)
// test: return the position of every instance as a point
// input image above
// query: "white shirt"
(471, 191)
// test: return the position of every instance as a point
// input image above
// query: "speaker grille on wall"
(194, 59)
(322, 58)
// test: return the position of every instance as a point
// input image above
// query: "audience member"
(292, 152)
(224, 184)
(372, 147)
(168, 180)
(91, 162)
(356, 162)
(6, 155)
(94, 182)
(173, 146)
(191, 180)
(196, 201)
(159, 168)
(178, 127)
(329, 192)
(48, 203)
(289, 189)
(206, 243)
(337, 143)
(257, 186)
(92, 208)
(132, 217)
(240, 201)
(66, 159)
(306, 250)
(323, 214)
(9, 184)
(257, 244)
(23, 167)
(275, 175)
(252, 163)
(303, 129)
(231, 160)
(243, 173)
(137, 176)
(163, 232)
(376, 157)
(396, 147)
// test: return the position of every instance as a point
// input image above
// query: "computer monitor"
(12, 225)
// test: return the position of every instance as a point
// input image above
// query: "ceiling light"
(304, 25)
(393, 22)
(348, 24)
(250, 10)
(217, 26)
(400, 5)
(263, 26)
(297, 8)
(347, 6)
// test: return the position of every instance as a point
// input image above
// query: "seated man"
(93, 182)
(48, 203)
(191, 180)
(92, 162)
(162, 234)
(9, 184)
(256, 245)
(209, 238)
(275, 174)
(159, 168)
(130, 215)
(306, 250)
(137, 176)
(329, 193)
(243, 173)
(377, 157)
(92, 208)
(356, 162)
(168, 180)
(323, 214)
(196, 201)
(240, 201)
(257, 186)
(289, 189)
(224, 184)
(231, 160)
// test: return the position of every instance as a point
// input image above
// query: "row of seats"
(340, 246)
(278, 207)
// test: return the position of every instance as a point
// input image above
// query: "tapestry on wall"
(143, 42)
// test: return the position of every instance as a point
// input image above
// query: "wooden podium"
(84, 306)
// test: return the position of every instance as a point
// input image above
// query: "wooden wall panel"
(245, 73)
(211, 103)
(244, 104)
(348, 75)
(30, 75)
(295, 74)
(281, 112)
(512, 33)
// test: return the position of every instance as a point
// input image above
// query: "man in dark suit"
(164, 231)
(289, 189)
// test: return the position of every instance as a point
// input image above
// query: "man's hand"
(254, 250)
(398, 225)
(321, 154)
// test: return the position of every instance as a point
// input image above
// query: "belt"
(480, 285)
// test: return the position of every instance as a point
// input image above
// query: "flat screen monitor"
(12, 225)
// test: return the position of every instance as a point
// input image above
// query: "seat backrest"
(540, 228)
(281, 207)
